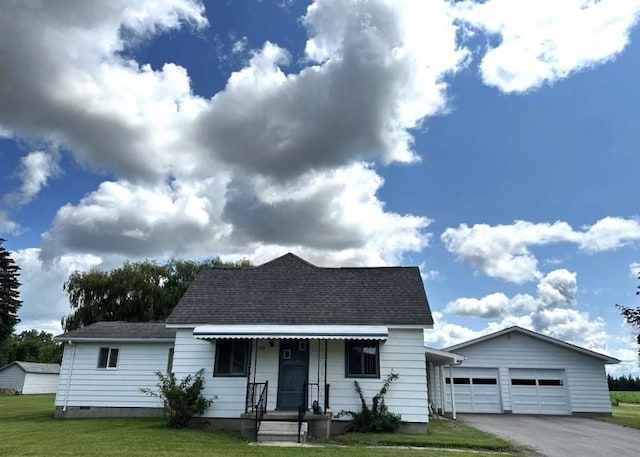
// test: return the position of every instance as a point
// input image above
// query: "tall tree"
(632, 314)
(135, 292)
(9, 295)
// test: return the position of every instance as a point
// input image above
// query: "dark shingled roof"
(36, 367)
(120, 330)
(290, 290)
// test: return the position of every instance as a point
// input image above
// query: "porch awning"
(317, 332)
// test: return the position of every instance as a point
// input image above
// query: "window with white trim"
(108, 358)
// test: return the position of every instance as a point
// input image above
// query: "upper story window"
(108, 358)
(362, 359)
(232, 358)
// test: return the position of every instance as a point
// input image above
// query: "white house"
(271, 340)
(30, 377)
(517, 371)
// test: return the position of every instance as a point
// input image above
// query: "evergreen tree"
(9, 295)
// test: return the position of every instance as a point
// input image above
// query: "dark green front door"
(293, 373)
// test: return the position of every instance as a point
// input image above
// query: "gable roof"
(545, 338)
(36, 367)
(289, 290)
(119, 331)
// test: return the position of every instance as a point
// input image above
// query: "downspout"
(70, 371)
(453, 394)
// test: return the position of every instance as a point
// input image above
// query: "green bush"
(181, 401)
(378, 418)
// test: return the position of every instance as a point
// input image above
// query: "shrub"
(378, 418)
(181, 401)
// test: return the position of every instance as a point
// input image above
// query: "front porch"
(287, 371)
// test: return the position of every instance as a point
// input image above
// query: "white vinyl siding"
(12, 377)
(192, 354)
(403, 352)
(92, 386)
(40, 383)
(586, 381)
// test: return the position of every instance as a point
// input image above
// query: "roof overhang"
(318, 332)
(439, 357)
(63, 339)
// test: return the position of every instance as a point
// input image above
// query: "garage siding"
(585, 375)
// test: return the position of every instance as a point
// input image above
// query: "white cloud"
(44, 301)
(36, 168)
(545, 40)
(503, 251)
(634, 268)
(553, 312)
(445, 334)
(240, 45)
(7, 225)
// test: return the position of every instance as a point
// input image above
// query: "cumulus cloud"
(374, 71)
(553, 312)
(503, 251)
(36, 168)
(546, 40)
(634, 268)
(7, 225)
(44, 300)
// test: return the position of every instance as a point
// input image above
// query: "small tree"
(631, 314)
(181, 401)
(378, 418)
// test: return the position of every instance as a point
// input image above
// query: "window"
(170, 361)
(550, 382)
(458, 381)
(232, 357)
(485, 381)
(108, 358)
(523, 382)
(362, 359)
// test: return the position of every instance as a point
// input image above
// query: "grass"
(625, 397)
(623, 414)
(441, 433)
(29, 429)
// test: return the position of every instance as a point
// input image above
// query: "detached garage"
(522, 372)
(30, 377)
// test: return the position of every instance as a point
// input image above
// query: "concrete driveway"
(560, 436)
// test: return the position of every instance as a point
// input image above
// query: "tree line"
(628, 383)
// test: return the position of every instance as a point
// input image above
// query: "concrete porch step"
(282, 431)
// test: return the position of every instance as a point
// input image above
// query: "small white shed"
(518, 371)
(30, 377)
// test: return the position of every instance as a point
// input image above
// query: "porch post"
(443, 387)
(324, 390)
(453, 394)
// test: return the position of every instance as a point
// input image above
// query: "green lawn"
(442, 433)
(625, 397)
(624, 414)
(28, 429)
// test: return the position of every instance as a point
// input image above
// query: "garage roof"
(548, 339)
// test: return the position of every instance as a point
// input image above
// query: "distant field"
(625, 397)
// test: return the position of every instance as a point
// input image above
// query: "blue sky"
(493, 145)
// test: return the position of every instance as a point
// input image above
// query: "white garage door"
(476, 390)
(538, 391)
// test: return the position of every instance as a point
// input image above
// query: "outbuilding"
(30, 377)
(518, 371)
